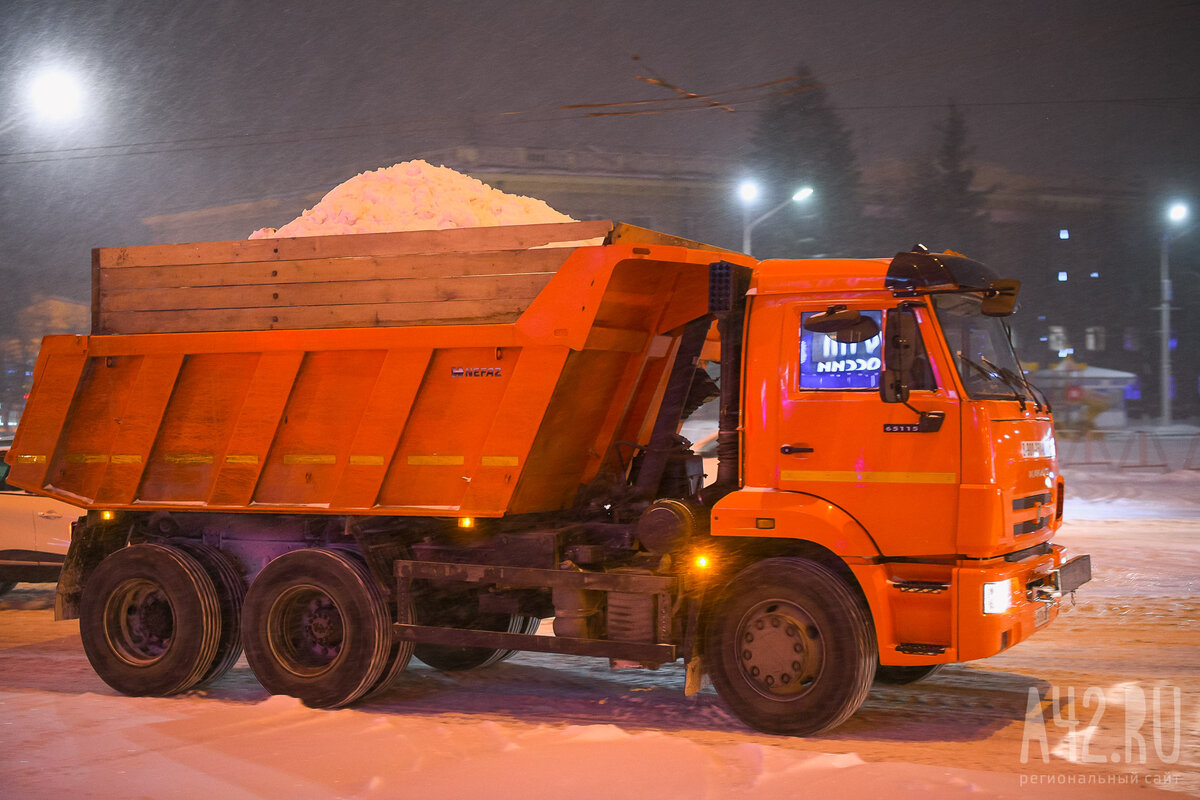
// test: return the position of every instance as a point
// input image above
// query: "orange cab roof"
(819, 275)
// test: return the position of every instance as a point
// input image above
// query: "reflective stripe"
(366, 461)
(130, 458)
(87, 458)
(850, 476)
(27, 459)
(499, 461)
(293, 459)
(241, 459)
(188, 458)
(435, 461)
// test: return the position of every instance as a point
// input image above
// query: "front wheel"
(790, 648)
(315, 626)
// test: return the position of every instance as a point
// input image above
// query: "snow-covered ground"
(549, 727)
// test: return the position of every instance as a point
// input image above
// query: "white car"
(34, 534)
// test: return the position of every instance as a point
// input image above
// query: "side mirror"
(899, 355)
(843, 325)
(1001, 298)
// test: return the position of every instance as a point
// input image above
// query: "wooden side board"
(462, 240)
(462, 276)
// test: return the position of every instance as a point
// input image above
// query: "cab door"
(826, 432)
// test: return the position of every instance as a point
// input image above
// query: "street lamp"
(748, 191)
(1176, 214)
(56, 95)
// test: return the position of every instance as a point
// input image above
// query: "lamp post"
(1176, 215)
(748, 191)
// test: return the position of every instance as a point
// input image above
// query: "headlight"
(997, 596)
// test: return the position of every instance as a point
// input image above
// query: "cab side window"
(829, 365)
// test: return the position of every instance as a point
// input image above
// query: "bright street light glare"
(56, 95)
(1178, 212)
(803, 194)
(748, 191)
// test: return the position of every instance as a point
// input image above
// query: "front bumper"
(1037, 588)
(927, 613)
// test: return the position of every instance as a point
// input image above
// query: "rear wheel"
(150, 620)
(899, 676)
(400, 653)
(462, 611)
(790, 648)
(231, 593)
(315, 626)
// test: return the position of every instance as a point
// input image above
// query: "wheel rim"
(305, 630)
(139, 622)
(780, 653)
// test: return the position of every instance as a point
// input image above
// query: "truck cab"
(915, 450)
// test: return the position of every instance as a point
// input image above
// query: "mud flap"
(695, 676)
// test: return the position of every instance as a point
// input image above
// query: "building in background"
(1086, 251)
(44, 316)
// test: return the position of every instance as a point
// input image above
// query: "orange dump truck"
(339, 452)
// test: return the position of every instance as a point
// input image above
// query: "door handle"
(790, 449)
(50, 515)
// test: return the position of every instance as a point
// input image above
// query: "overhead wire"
(224, 141)
(739, 99)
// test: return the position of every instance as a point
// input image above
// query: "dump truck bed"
(473, 372)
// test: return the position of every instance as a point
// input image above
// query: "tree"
(801, 141)
(945, 211)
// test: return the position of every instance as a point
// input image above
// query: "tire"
(520, 624)
(401, 651)
(517, 623)
(150, 620)
(462, 611)
(790, 648)
(315, 626)
(6, 587)
(231, 594)
(397, 661)
(899, 676)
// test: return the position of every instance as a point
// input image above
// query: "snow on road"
(1112, 690)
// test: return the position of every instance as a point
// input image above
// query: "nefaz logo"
(475, 372)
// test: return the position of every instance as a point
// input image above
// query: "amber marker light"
(466, 522)
(701, 562)
(106, 515)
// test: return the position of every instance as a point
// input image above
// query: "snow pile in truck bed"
(413, 196)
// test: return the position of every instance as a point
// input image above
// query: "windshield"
(982, 352)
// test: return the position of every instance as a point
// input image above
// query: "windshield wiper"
(1014, 382)
(1040, 401)
(992, 371)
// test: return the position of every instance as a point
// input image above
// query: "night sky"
(191, 104)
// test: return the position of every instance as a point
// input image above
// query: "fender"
(93, 538)
(769, 514)
(772, 514)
